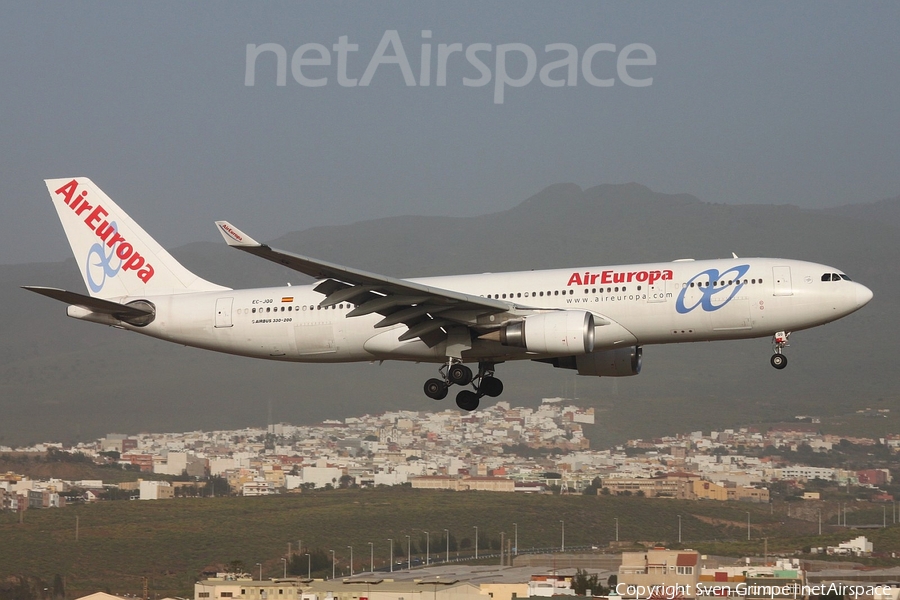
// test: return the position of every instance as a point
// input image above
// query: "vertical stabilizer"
(116, 257)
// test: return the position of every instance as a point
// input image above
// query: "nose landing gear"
(779, 341)
(456, 373)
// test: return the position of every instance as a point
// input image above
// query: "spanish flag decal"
(287, 299)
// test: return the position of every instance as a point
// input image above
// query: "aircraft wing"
(122, 312)
(426, 310)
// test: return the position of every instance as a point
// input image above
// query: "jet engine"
(560, 332)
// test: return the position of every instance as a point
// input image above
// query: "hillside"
(170, 542)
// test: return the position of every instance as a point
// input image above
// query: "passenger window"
(556, 293)
(504, 296)
(253, 311)
(542, 293)
(519, 295)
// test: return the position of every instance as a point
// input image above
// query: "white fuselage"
(682, 301)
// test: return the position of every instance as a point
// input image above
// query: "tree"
(236, 566)
(591, 490)
(59, 587)
(584, 584)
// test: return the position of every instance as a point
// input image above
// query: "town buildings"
(500, 448)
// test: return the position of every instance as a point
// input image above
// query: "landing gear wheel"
(467, 400)
(436, 389)
(779, 361)
(459, 374)
(491, 386)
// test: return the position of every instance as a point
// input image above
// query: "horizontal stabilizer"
(122, 312)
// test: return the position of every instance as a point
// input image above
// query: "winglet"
(234, 236)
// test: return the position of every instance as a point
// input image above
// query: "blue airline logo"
(104, 261)
(710, 290)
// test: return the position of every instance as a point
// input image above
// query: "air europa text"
(105, 230)
(604, 277)
(563, 63)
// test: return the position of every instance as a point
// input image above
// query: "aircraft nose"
(863, 295)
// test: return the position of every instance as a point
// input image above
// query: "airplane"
(593, 320)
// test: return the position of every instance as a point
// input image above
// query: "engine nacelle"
(621, 362)
(562, 332)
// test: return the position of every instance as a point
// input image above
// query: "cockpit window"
(826, 277)
(845, 278)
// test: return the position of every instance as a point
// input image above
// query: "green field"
(170, 542)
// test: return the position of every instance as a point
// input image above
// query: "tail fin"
(116, 256)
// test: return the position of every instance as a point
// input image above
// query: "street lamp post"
(748, 525)
(516, 542)
(563, 545)
(679, 529)
(391, 540)
(447, 539)
(408, 554)
(476, 541)
(427, 548)
(617, 529)
(332, 563)
(351, 560)
(371, 557)
(260, 570)
(284, 561)
(308, 566)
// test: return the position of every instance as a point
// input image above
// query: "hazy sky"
(749, 102)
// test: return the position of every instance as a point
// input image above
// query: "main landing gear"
(456, 373)
(779, 341)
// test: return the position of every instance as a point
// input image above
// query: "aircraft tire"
(467, 400)
(779, 361)
(459, 374)
(491, 386)
(436, 389)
